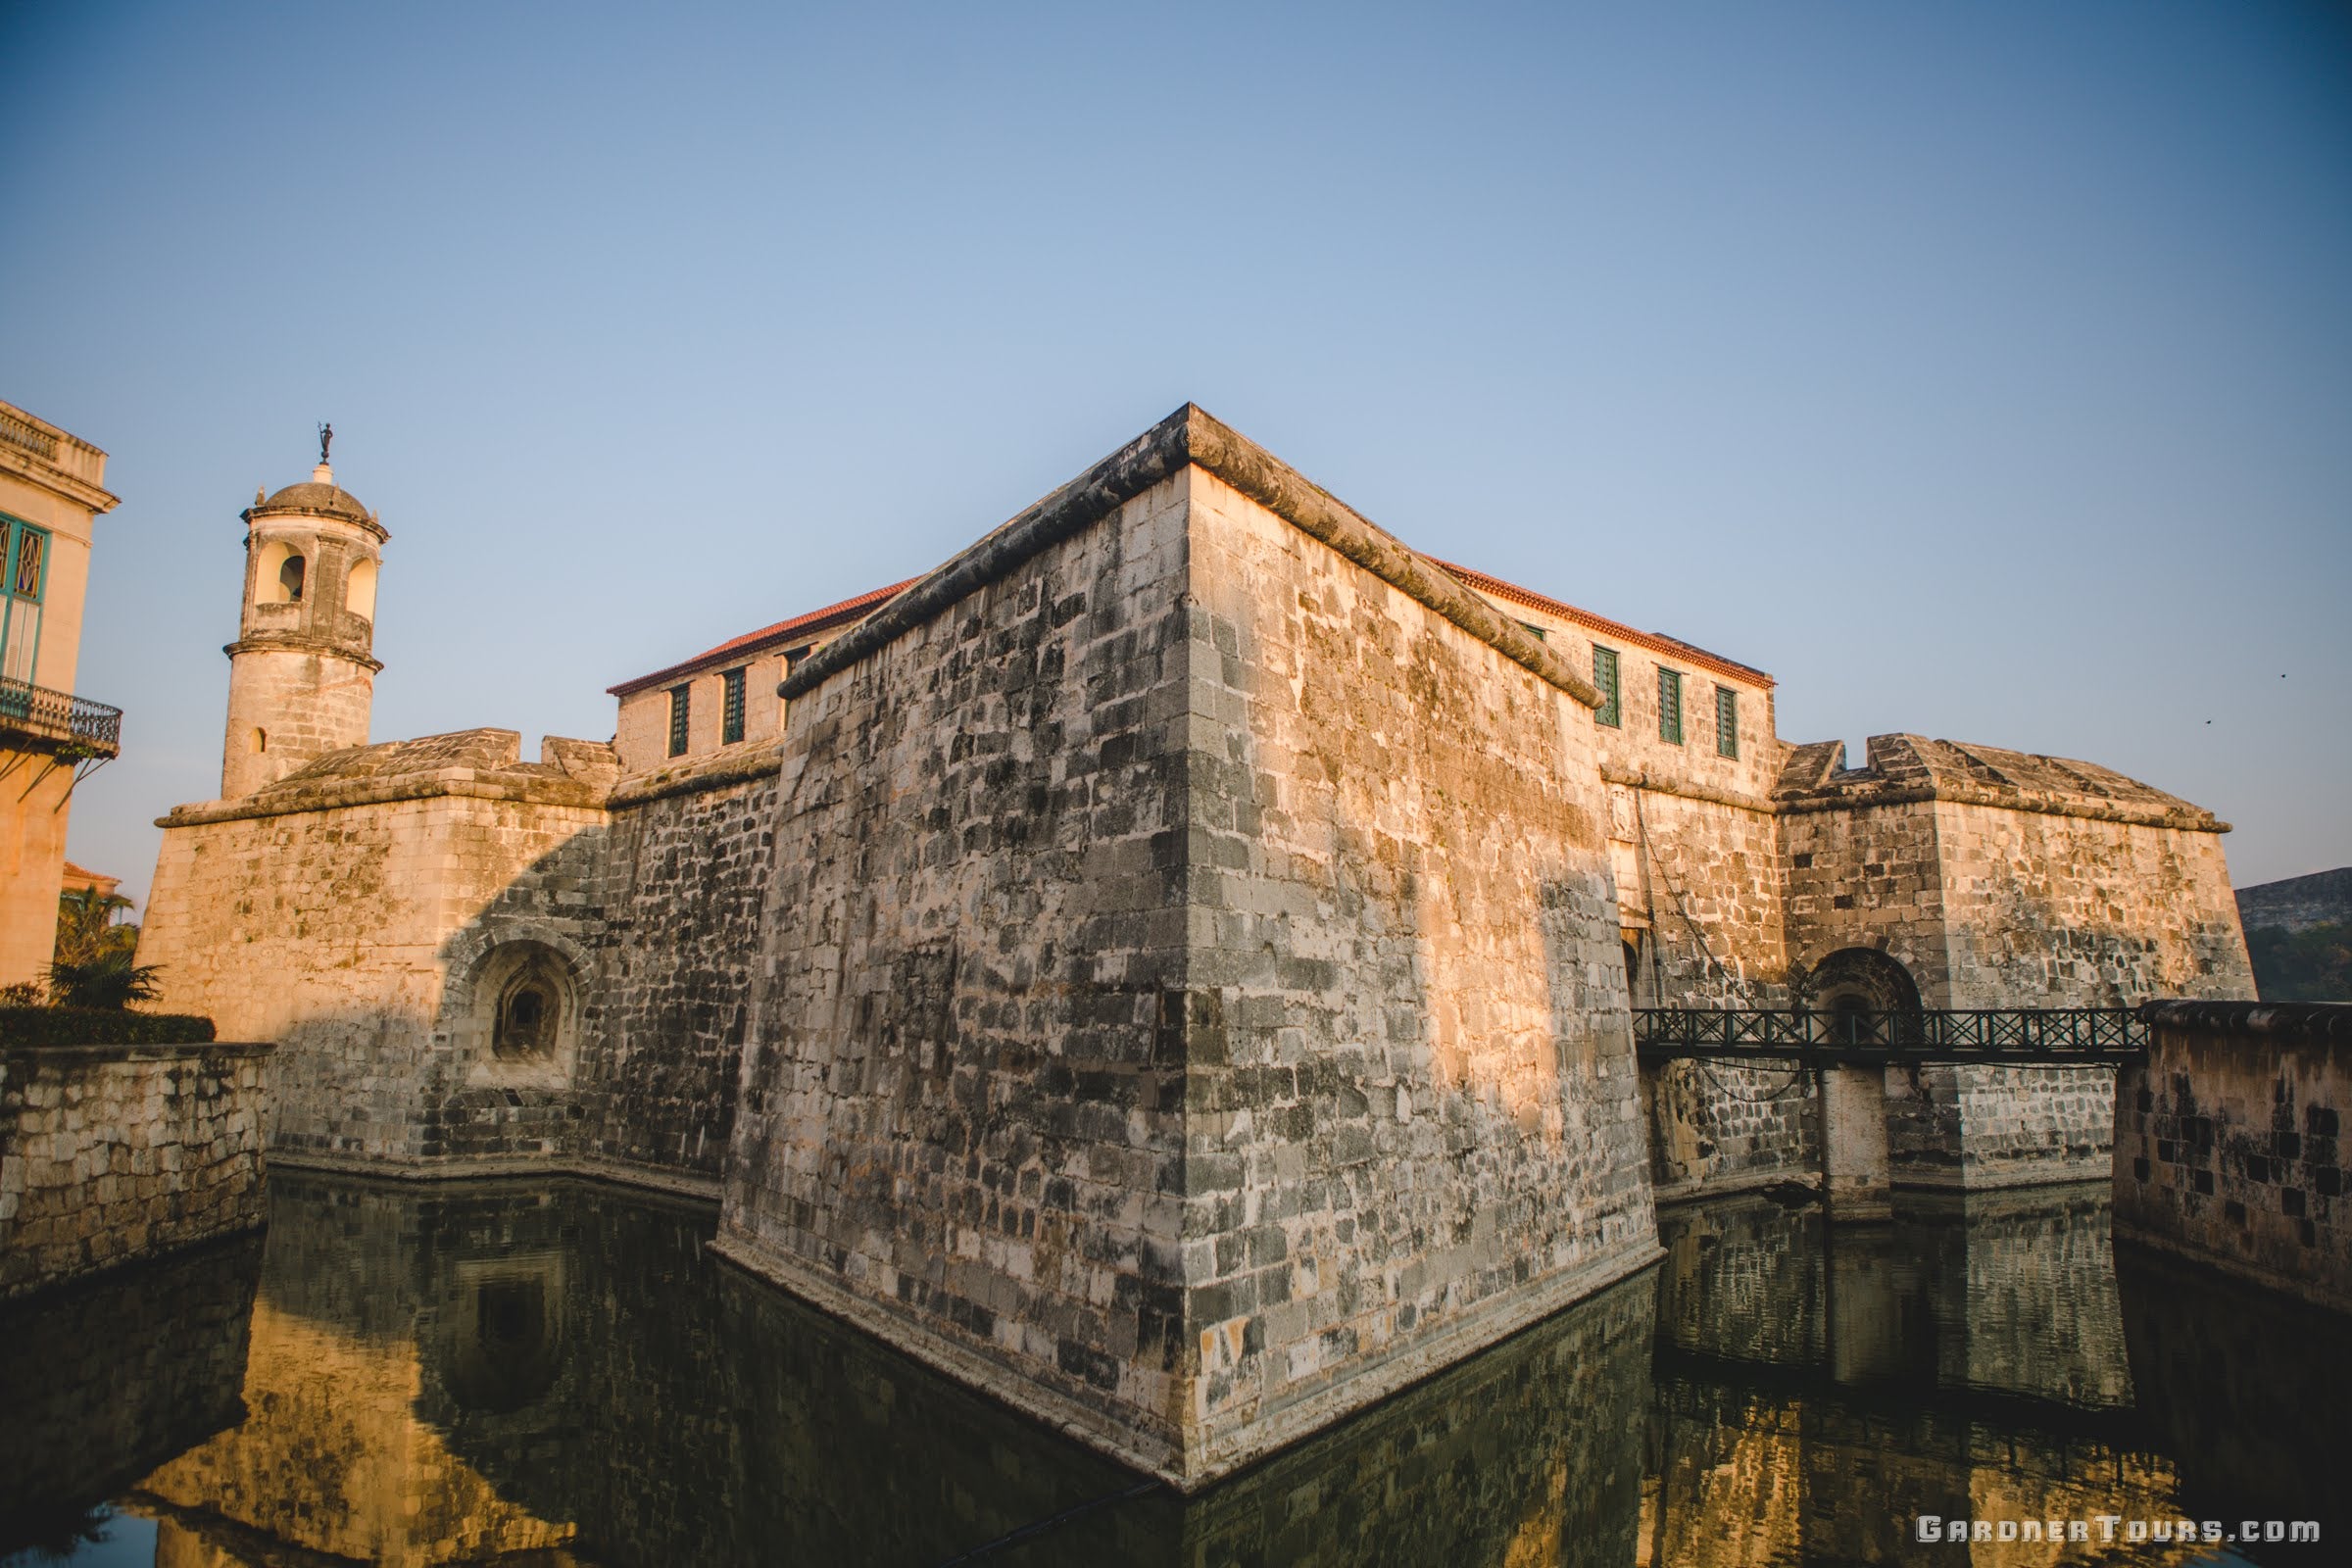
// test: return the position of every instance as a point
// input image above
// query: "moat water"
(561, 1374)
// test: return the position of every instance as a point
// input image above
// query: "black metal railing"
(2008, 1034)
(60, 717)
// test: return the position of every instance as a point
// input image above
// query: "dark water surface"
(561, 1374)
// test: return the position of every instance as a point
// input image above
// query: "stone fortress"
(1171, 966)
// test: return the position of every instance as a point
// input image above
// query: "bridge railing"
(2054, 1035)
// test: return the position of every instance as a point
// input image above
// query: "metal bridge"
(2046, 1036)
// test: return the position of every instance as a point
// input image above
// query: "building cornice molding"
(79, 492)
(1190, 437)
(301, 643)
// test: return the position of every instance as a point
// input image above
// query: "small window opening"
(680, 697)
(1534, 630)
(730, 723)
(289, 578)
(261, 741)
(1604, 676)
(1727, 721)
(1670, 705)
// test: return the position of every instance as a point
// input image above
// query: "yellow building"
(51, 488)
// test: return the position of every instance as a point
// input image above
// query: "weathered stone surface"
(114, 1154)
(1194, 1005)
(2229, 1143)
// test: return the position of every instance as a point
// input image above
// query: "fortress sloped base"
(1190, 1008)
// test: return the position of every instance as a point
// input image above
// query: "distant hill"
(2299, 902)
(2299, 935)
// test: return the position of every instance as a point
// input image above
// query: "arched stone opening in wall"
(359, 589)
(281, 573)
(516, 1014)
(1860, 986)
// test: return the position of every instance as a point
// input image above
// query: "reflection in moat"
(562, 1374)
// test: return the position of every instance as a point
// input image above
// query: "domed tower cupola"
(301, 675)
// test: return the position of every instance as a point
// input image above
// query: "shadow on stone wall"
(106, 1379)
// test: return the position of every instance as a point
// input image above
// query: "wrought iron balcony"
(2079, 1036)
(59, 718)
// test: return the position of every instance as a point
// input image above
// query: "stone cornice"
(763, 761)
(80, 492)
(301, 643)
(1189, 437)
(463, 783)
(1686, 790)
(1866, 797)
(2315, 1022)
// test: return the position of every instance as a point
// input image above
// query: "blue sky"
(1983, 370)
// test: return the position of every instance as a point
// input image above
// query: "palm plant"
(87, 928)
(110, 980)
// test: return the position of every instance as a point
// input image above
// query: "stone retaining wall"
(2229, 1143)
(109, 1154)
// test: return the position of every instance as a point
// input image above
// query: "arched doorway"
(1870, 998)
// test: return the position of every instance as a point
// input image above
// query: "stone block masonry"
(114, 1154)
(2231, 1146)
(1190, 1006)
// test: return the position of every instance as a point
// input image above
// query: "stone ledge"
(460, 783)
(88, 1056)
(1476, 1331)
(499, 1167)
(1687, 791)
(761, 760)
(1863, 798)
(1189, 437)
(2327, 1023)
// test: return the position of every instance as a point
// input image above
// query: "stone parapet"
(110, 1153)
(2229, 1144)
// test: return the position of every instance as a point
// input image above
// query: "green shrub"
(99, 1026)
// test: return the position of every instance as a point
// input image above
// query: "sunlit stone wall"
(1194, 1001)
(110, 1153)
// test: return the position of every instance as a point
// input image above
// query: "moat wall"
(2229, 1143)
(114, 1154)
(1194, 1004)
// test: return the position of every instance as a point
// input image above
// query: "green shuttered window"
(1604, 676)
(1670, 705)
(679, 698)
(1727, 721)
(730, 721)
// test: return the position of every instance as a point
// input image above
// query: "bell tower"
(299, 675)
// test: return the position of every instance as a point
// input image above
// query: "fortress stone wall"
(1171, 965)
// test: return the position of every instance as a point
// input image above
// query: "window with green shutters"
(1604, 676)
(679, 698)
(1670, 705)
(1727, 721)
(24, 576)
(730, 720)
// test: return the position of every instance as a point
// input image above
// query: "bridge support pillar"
(1856, 1175)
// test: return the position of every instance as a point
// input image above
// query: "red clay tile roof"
(857, 609)
(866, 603)
(1656, 642)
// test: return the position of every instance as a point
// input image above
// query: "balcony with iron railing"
(58, 721)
